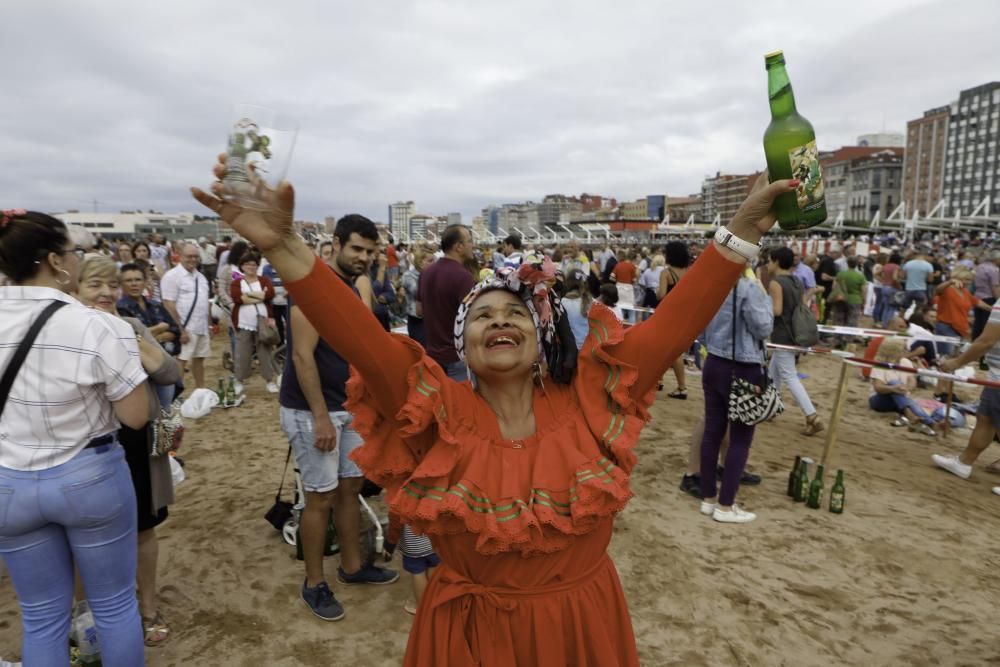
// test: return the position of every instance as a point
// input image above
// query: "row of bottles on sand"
(801, 489)
(227, 392)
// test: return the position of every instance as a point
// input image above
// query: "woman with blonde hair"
(154, 488)
(891, 388)
(954, 301)
(649, 281)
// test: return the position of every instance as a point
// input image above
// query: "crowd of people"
(494, 349)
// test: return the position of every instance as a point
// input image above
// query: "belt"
(481, 605)
(101, 441)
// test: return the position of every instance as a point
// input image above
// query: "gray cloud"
(453, 104)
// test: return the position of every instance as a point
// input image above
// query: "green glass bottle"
(793, 477)
(221, 391)
(802, 490)
(790, 148)
(231, 392)
(816, 489)
(837, 493)
(330, 546)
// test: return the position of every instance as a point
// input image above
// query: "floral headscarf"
(532, 283)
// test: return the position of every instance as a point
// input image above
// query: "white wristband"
(744, 249)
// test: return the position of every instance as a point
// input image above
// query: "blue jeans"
(879, 310)
(80, 513)
(888, 308)
(918, 297)
(945, 329)
(897, 403)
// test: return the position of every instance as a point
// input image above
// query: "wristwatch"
(744, 249)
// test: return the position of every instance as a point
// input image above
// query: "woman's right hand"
(265, 229)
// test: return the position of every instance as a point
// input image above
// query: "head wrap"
(531, 282)
(7, 214)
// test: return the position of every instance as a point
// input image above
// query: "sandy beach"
(906, 576)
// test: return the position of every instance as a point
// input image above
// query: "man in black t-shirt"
(313, 392)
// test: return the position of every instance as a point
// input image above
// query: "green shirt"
(852, 282)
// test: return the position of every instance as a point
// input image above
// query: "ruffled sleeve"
(396, 444)
(448, 471)
(604, 383)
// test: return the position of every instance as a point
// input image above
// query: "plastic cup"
(259, 150)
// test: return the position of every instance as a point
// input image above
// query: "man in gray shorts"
(313, 392)
(988, 415)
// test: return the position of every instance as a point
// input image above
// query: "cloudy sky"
(455, 105)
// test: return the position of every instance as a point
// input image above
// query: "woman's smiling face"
(500, 335)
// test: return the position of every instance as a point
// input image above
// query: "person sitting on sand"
(891, 388)
(518, 475)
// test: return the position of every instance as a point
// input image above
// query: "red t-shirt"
(953, 309)
(390, 256)
(624, 272)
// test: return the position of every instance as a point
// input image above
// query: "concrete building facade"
(923, 164)
(972, 158)
(399, 218)
(876, 183)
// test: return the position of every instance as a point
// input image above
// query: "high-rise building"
(491, 218)
(972, 158)
(876, 182)
(399, 218)
(923, 164)
(454, 218)
(721, 195)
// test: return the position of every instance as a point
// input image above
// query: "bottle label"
(805, 167)
(836, 502)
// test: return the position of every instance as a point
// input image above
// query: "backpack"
(801, 323)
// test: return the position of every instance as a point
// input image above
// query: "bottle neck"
(779, 92)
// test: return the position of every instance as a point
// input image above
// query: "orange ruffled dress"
(522, 527)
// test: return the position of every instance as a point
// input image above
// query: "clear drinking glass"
(261, 141)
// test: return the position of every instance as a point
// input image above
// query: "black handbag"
(281, 510)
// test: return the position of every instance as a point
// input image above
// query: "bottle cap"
(773, 54)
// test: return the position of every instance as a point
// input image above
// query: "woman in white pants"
(786, 296)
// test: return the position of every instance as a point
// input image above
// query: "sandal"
(156, 631)
(813, 425)
(679, 394)
(410, 607)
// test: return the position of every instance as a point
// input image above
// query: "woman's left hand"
(755, 215)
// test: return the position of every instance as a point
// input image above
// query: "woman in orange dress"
(517, 478)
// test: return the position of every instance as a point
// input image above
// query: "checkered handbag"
(750, 403)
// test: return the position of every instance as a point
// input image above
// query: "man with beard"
(313, 392)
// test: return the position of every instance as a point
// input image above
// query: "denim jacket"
(756, 319)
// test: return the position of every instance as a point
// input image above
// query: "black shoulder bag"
(22, 350)
(281, 510)
(749, 403)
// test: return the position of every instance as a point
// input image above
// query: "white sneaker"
(707, 508)
(952, 465)
(735, 515)
(996, 490)
(272, 388)
(238, 387)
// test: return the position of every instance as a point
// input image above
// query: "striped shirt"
(82, 360)
(415, 546)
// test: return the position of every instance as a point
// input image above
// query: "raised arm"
(684, 313)
(653, 345)
(339, 317)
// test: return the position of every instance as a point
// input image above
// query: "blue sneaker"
(368, 574)
(321, 602)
